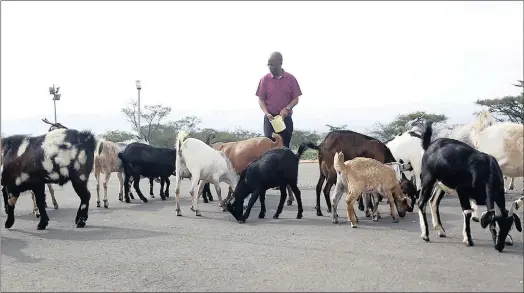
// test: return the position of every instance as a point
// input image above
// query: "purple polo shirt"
(278, 92)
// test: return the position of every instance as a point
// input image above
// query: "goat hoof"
(192, 208)
(334, 221)
(98, 204)
(368, 214)
(41, 226)
(163, 198)
(395, 220)
(120, 199)
(425, 238)
(178, 213)
(275, 216)
(289, 202)
(299, 216)
(145, 200)
(205, 200)
(241, 221)
(261, 215)
(131, 196)
(319, 213)
(197, 213)
(210, 198)
(106, 205)
(353, 225)
(152, 196)
(441, 234)
(81, 224)
(374, 219)
(128, 200)
(223, 209)
(37, 215)
(9, 223)
(55, 205)
(475, 219)
(468, 243)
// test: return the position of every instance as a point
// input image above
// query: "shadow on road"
(13, 248)
(93, 233)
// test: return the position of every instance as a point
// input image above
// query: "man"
(278, 93)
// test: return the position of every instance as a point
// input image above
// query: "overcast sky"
(357, 62)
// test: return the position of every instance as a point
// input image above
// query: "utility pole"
(56, 96)
(139, 87)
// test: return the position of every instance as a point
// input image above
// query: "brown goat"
(242, 153)
(367, 175)
(351, 144)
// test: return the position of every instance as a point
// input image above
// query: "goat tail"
(88, 139)
(426, 136)
(309, 144)
(181, 136)
(301, 149)
(338, 162)
(99, 147)
(278, 139)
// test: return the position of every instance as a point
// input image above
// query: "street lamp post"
(56, 96)
(138, 87)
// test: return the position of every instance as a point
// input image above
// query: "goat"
(242, 153)
(361, 175)
(199, 161)
(107, 162)
(505, 142)
(352, 144)
(275, 168)
(59, 156)
(140, 159)
(461, 170)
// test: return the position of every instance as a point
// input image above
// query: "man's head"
(275, 63)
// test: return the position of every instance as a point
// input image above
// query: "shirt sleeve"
(295, 88)
(261, 90)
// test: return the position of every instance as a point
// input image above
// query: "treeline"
(161, 133)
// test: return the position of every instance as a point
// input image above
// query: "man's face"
(274, 65)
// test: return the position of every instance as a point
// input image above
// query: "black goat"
(59, 156)
(474, 176)
(149, 161)
(275, 168)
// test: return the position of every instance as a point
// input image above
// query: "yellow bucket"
(278, 124)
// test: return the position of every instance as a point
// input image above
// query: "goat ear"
(518, 226)
(486, 218)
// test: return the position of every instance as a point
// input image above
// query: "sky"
(357, 63)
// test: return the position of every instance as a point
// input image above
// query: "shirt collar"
(284, 74)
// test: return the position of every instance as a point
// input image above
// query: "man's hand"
(269, 116)
(284, 113)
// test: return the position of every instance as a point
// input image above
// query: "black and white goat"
(59, 156)
(275, 168)
(461, 170)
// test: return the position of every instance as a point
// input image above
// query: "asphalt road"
(145, 247)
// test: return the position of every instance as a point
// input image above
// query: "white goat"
(505, 142)
(200, 162)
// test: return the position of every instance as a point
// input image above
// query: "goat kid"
(202, 163)
(365, 175)
(57, 157)
(473, 176)
(275, 168)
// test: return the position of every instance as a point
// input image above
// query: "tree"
(384, 132)
(506, 108)
(300, 136)
(151, 117)
(118, 135)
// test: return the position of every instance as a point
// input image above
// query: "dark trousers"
(286, 134)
